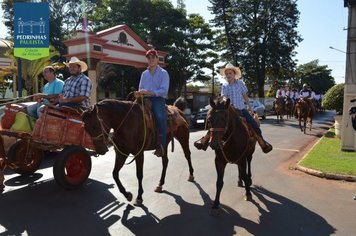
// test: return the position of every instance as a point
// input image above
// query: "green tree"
(334, 99)
(261, 36)
(186, 38)
(316, 76)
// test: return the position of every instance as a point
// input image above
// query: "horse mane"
(113, 103)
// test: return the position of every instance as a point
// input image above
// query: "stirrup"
(159, 151)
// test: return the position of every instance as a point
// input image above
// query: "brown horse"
(305, 112)
(289, 107)
(232, 140)
(279, 108)
(133, 134)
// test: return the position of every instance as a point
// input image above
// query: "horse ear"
(227, 103)
(212, 103)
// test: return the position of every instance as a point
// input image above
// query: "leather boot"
(203, 143)
(159, 151)
(265, 146)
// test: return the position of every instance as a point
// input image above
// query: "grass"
(327, 157)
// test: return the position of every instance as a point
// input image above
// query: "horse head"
(302, 106)
(279, 104)
(217, 120)
(96, 129)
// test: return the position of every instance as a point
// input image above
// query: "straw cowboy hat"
(230, 66)
(75, 60)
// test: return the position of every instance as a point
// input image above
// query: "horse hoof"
(191, 178)
(138, 202)
(129, 196)
(215, 211)
(240, 184)
(158, 189)
(248, 197)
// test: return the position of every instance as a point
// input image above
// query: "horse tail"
(180, 103)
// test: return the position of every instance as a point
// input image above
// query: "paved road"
(285, 201)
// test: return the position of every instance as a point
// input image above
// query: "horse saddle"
(174, 119)
(249, 129)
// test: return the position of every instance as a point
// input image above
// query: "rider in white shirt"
(290, 93)
(306, 94)
(280, 92)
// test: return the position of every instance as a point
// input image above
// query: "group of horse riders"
(314, 100)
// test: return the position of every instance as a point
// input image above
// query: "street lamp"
(337, 49)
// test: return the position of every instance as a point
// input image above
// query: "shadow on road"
(279, 216)
(46, 209)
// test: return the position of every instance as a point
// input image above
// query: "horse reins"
(222, 143)
(103, 126)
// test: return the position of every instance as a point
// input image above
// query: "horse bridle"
(102, 129)
(109, 139)
(224, 129)
(222, 143)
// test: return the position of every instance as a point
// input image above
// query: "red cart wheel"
(72, 167)
(24, 155)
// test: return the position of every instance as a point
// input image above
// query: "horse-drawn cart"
(59, 130)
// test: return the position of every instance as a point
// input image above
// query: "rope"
(103, 125)
(223, 143)
(17, 99)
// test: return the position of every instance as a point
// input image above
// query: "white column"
(92, 76)
(348, 134)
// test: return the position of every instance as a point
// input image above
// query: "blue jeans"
(34, 110)
(159, 111)
(251, 121)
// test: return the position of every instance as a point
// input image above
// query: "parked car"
(259, 108)
(198, 120)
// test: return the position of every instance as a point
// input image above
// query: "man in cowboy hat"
(154, 85)
(51, 90)
(77, 88)
(236, 90)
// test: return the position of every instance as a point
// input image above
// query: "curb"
(349, 178)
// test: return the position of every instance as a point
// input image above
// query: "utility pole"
(348, 135)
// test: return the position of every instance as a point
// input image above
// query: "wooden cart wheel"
(72, 167)
(25, 156)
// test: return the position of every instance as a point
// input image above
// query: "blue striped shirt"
(158, 82)
(76, 86)
(235, 92)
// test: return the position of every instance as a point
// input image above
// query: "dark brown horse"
(231, 138)
(279, 104)
(305, 113)
(289, 107)
(132, 134)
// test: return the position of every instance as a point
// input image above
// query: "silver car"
(259, 108)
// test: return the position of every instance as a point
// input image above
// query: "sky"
(322, 25)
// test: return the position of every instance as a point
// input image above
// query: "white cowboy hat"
(230, 66)
(75, 60)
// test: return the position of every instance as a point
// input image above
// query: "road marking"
(286, 149)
